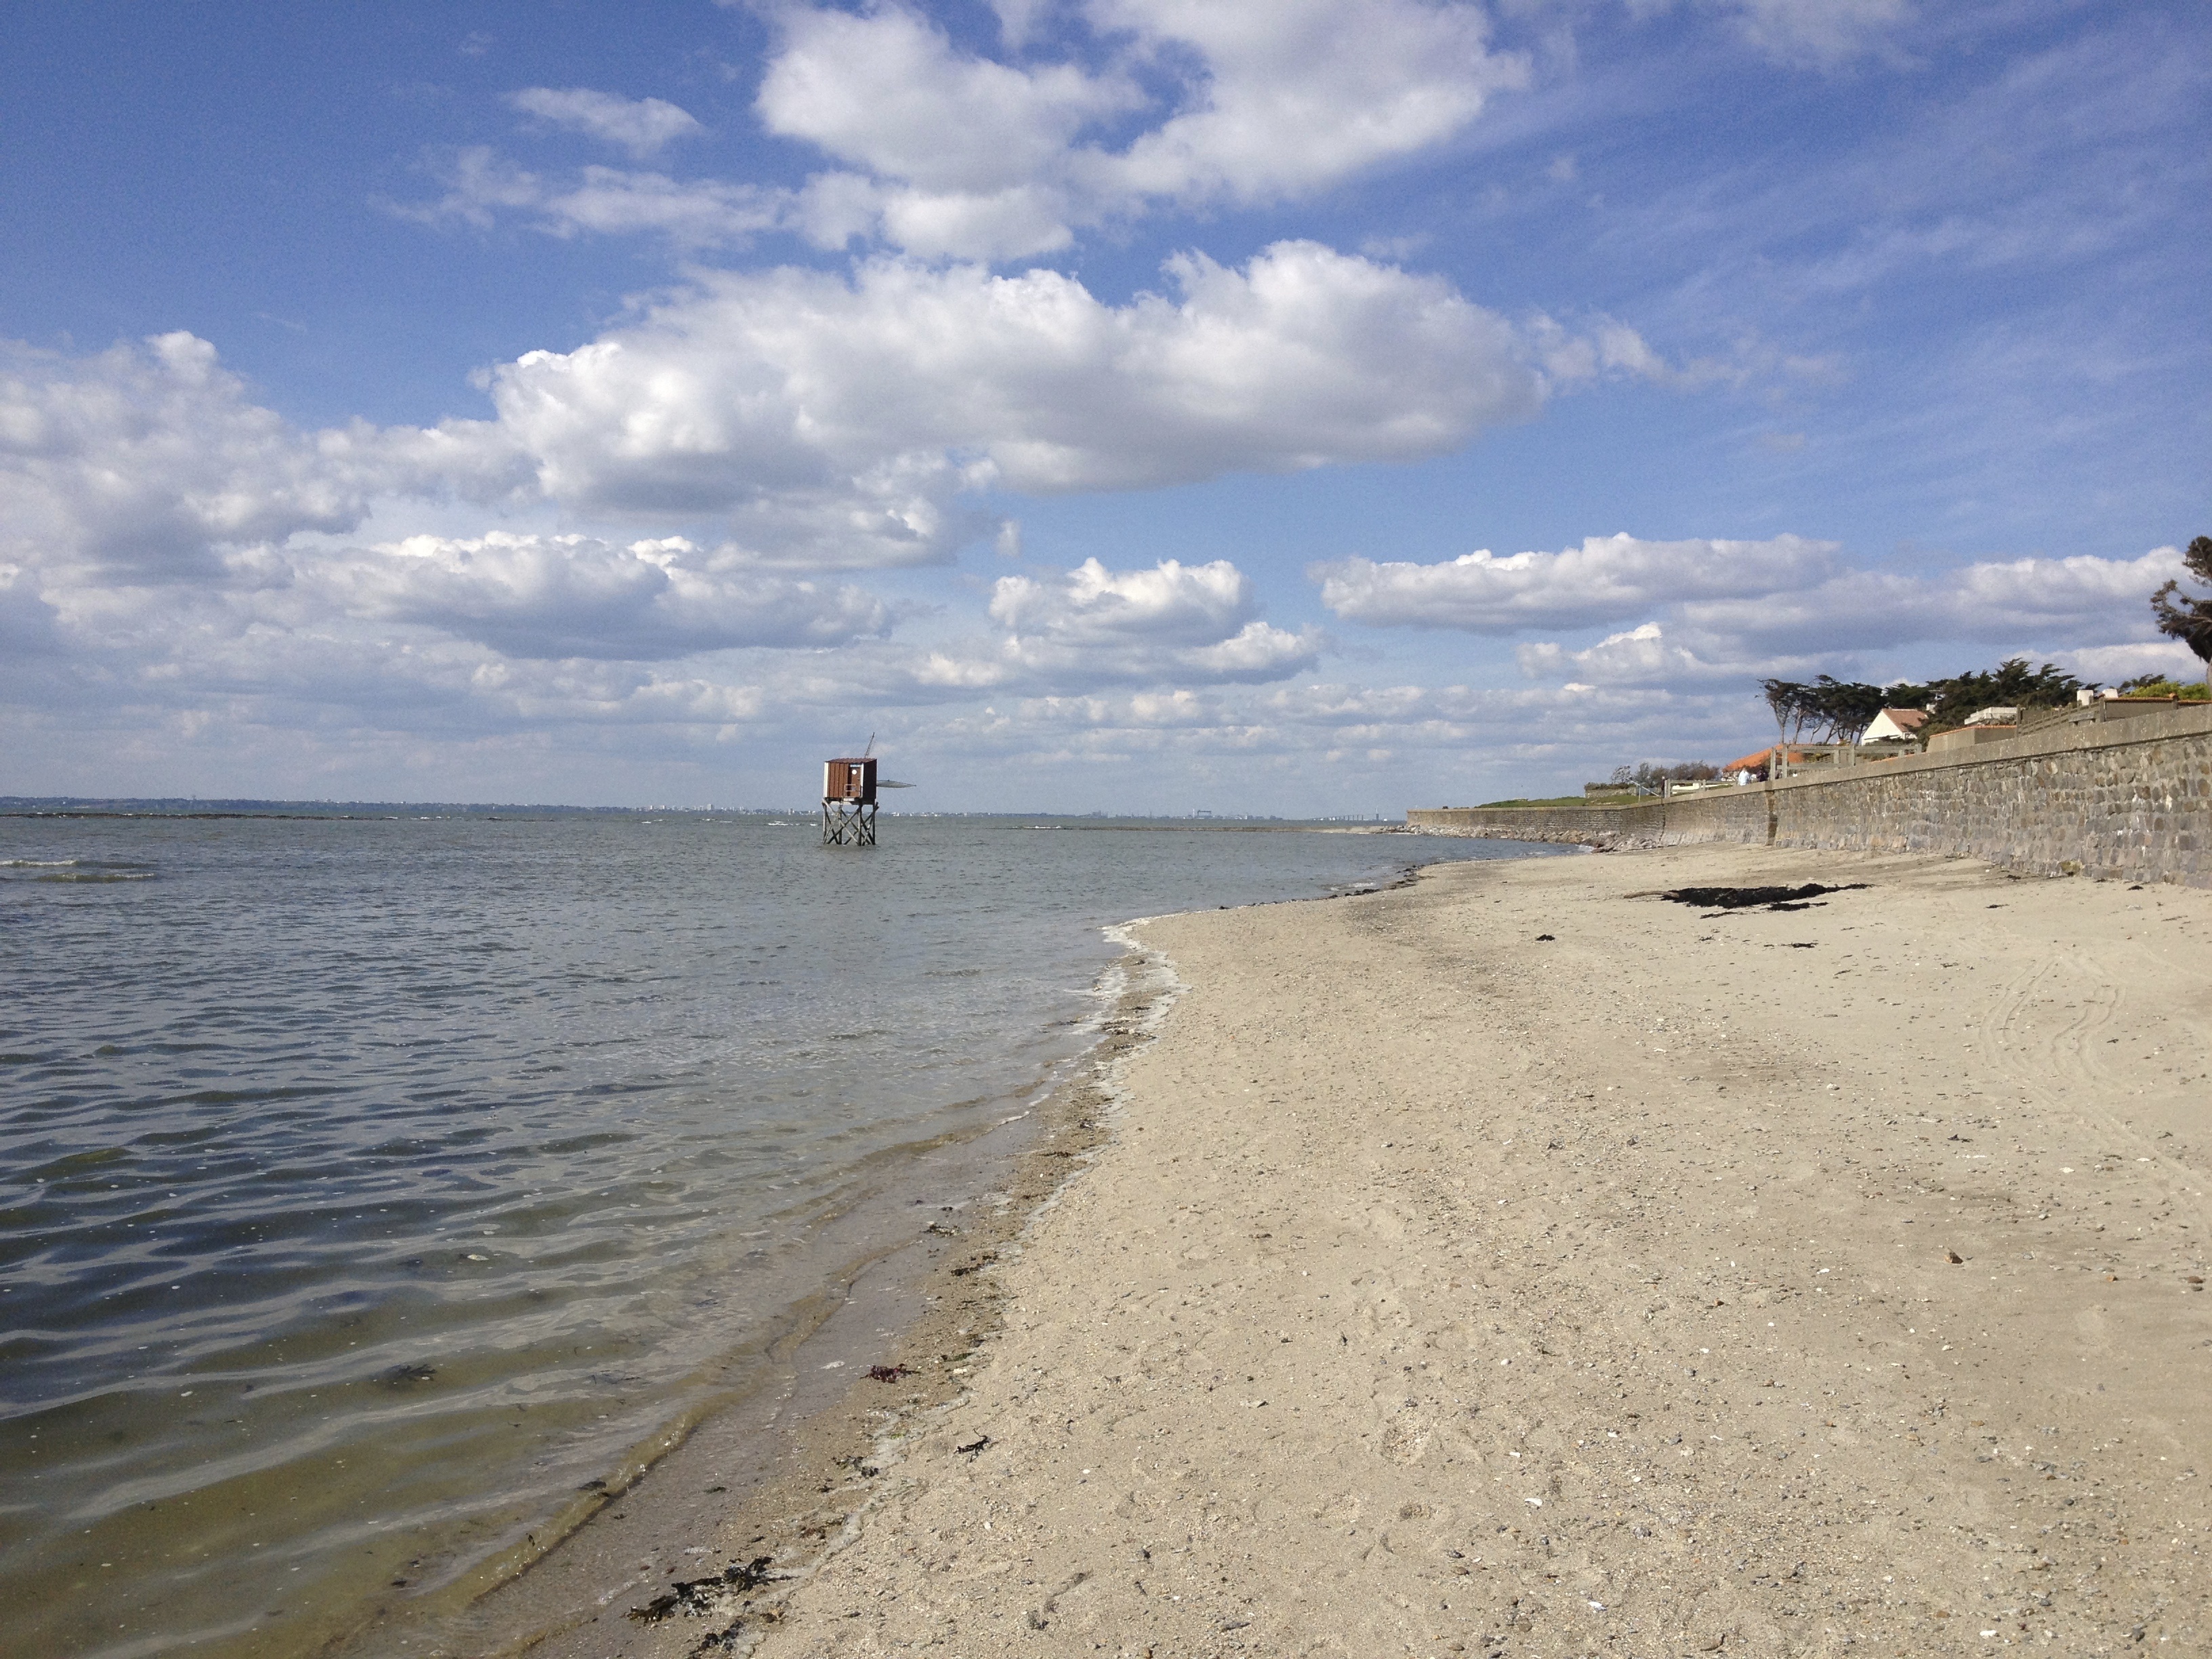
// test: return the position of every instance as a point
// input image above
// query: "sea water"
(369, 1185)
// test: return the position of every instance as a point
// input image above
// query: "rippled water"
(367, 1186)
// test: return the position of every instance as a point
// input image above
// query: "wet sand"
(1813, 1281)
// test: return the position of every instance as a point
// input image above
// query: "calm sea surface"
(366, 1187)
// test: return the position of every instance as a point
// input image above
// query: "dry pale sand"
(1810, 1282)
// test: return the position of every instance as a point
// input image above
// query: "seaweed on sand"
(693, 1596)
(1763, 898)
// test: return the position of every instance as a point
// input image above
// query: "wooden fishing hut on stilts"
(848, 802)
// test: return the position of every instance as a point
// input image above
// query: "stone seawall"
(2128, 800)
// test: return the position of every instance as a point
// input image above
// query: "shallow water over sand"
(369, 1188)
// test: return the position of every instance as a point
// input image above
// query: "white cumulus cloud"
(887, 91)
(138, 460)
(1606, 579)
(960, 155)
(824, 419)
(1292, 95)
(641, 126)
(945, 151)
(573, 596)
(1189, 624)
(147, 461)
(1170, 602)
(1638, 656)
(891, 388)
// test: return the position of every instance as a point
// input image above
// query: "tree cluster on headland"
(1829, 710)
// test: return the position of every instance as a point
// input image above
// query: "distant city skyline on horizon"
(1300, 405)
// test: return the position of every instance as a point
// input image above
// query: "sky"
(1297, 407)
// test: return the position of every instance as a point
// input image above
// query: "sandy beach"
(1519, 1262)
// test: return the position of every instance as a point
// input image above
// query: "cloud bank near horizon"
(1731, 610)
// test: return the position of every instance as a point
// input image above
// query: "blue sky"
(1310, 407)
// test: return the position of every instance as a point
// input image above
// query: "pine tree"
(2184, 618)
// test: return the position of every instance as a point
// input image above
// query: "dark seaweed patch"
(693, 1596)
(1757, 898)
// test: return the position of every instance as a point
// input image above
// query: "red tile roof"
(1759, 757)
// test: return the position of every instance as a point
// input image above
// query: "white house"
(1895, 726)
